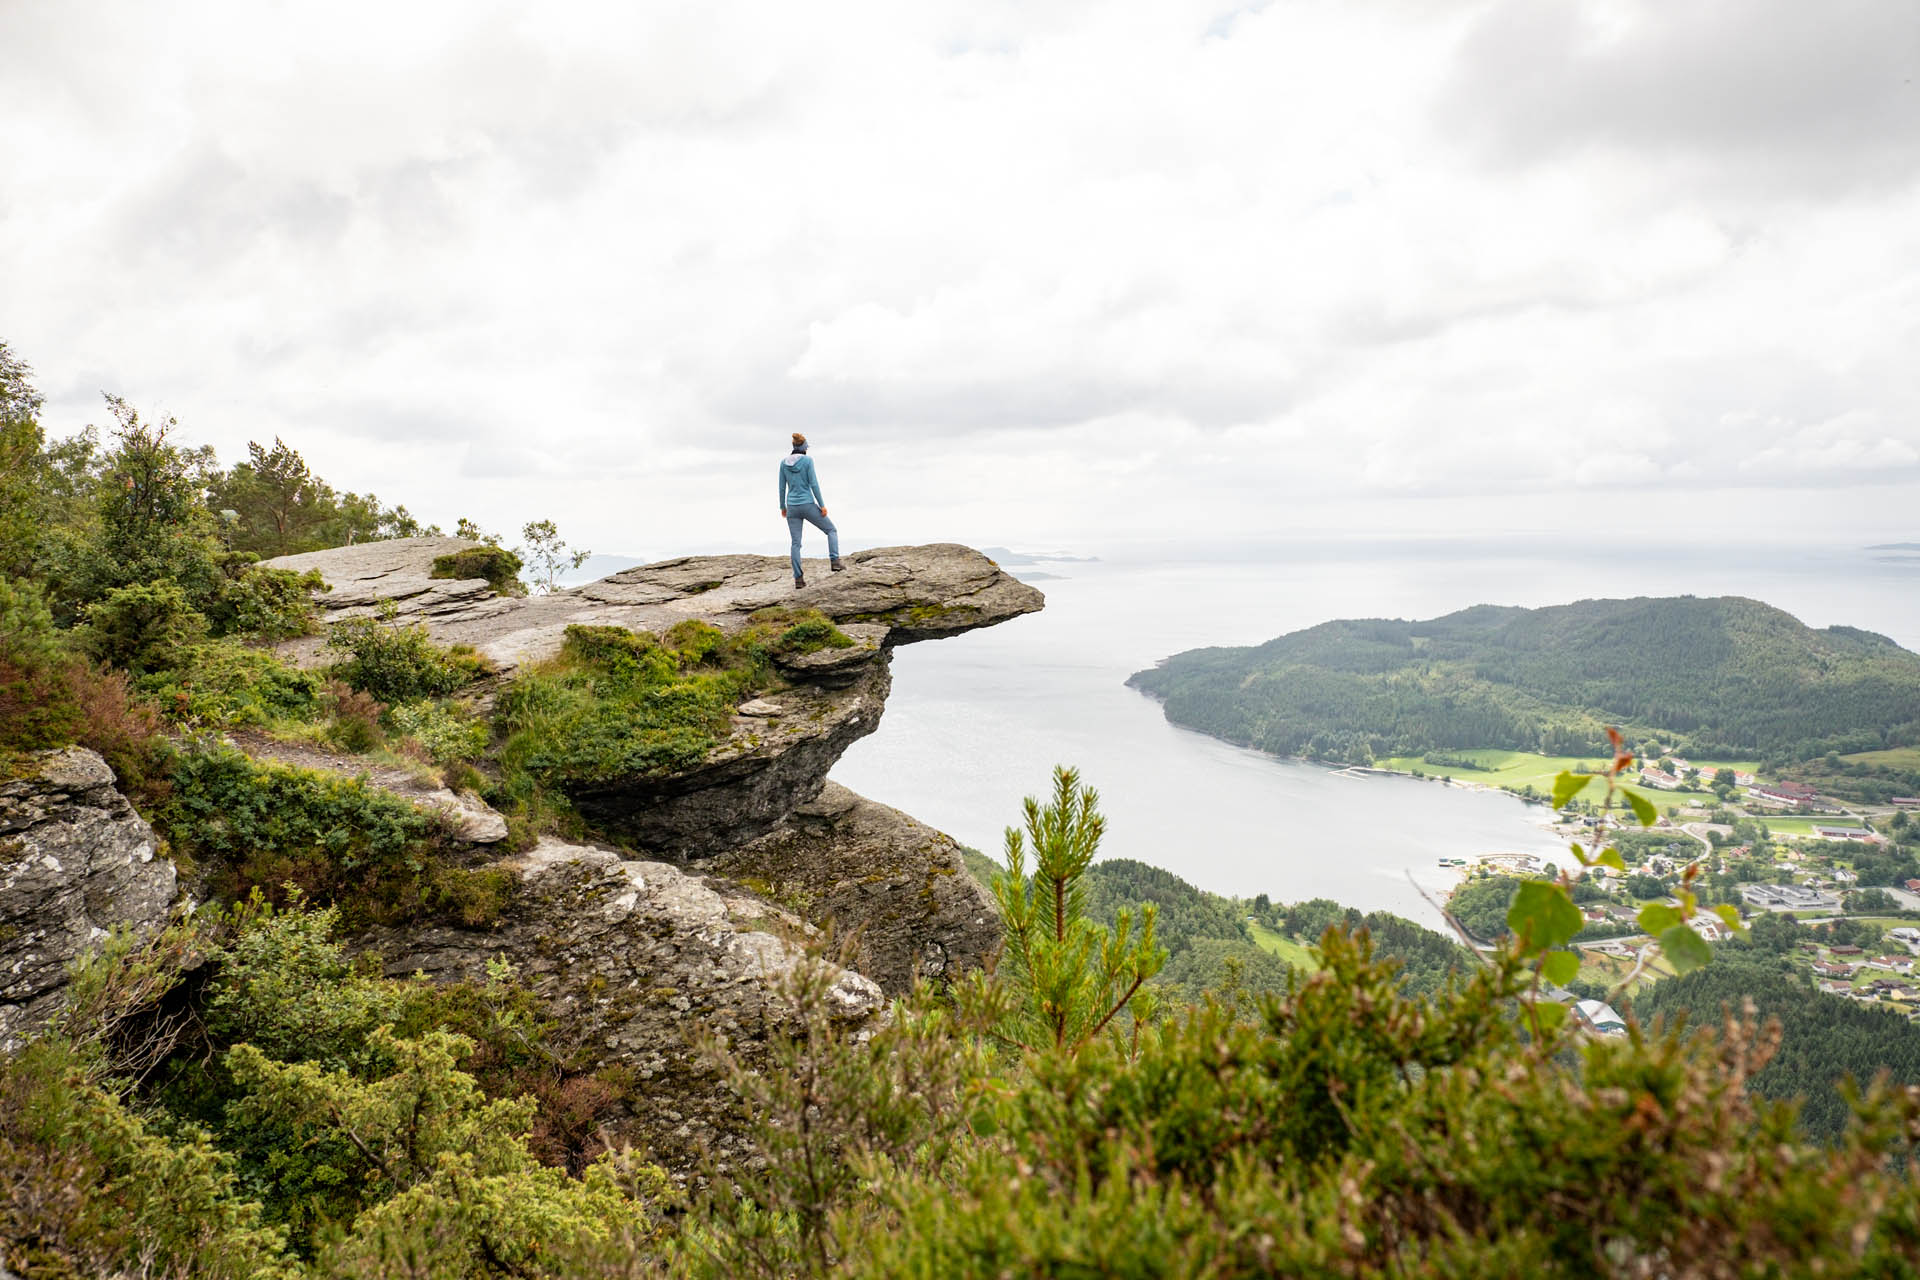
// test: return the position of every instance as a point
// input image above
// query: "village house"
(1659, 778)
(1711, 929)
(1833, 969)
(1845, 949)
(1847, 833)
(1836, 988)
(1892, 964)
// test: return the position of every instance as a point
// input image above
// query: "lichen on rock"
(635, 956)
(76, 862)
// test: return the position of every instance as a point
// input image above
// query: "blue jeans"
(809, 513)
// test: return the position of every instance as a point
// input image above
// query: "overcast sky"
(1034, 274)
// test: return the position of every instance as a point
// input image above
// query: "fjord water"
(978, 722)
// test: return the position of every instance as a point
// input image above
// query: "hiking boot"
(837, 565)
(799, 581)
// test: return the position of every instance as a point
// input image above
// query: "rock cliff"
(75, 862)
(777, 757)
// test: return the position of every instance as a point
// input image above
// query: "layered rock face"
(75, 862)
(634, 956)
(897, 887)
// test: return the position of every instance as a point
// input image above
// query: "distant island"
(1722, 678)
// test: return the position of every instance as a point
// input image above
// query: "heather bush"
(398, 662)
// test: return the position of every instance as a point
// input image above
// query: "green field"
(1294, 953)
(1804, 826)
(1896, 758)
(1516, 769)
(1597, 966)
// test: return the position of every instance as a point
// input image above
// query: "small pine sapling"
(1068, 978)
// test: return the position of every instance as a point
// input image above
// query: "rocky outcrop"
(398, 572)
(900, 594)
(633, 957)
(775, 760)
(891, 888)
(75, 862)
(746, 855)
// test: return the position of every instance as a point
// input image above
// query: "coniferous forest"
(1724, 678)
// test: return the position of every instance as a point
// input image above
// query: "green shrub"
(141, 628)
(616, 703)
(50, 698)
(447, 733)
(227, 684)
(268, 604)
(39, 706)
(499, 566)
(812, 635)
(693, 640)
(285, 984)
(353, 719)
(398, 662)
(265, 825)
(475, 897)
(782, 630)
(90, 1188)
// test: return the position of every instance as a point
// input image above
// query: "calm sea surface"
(977, 722)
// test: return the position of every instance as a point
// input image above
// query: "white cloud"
(1067, 271)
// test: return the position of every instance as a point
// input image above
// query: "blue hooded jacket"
(798, 483)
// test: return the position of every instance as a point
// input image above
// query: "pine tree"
(1068, 978)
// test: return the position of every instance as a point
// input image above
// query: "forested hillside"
(1823, 1038)
(1726, 677)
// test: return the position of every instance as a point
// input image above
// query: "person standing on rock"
(802, 505)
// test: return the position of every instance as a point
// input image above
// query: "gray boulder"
(75, 861)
